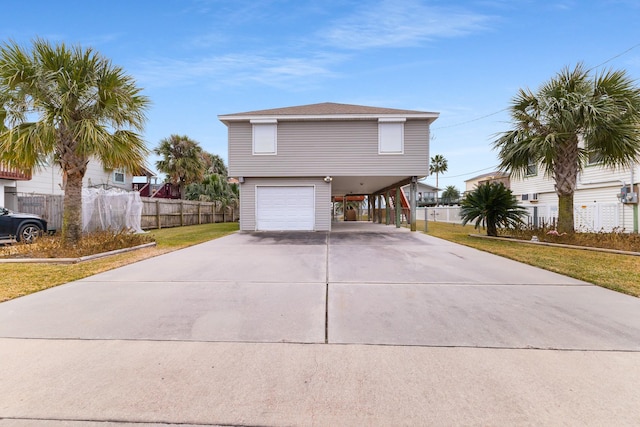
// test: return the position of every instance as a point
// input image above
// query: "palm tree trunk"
(72, 216)
(565, 213)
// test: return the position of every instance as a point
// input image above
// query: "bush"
(90, 244)
(617, 239)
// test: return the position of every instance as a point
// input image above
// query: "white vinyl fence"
(593, 217)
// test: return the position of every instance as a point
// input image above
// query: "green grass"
(24, 279)
(612, 271)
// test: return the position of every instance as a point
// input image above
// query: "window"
(595, 157)
(391, 136)
(118, 176)
(265, 136)
(532, 168)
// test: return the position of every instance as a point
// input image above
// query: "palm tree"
(182, 161)
(450, 194)
(214, 164)
(572, 117)
(492, 204)
(72, 104)
(438, 165)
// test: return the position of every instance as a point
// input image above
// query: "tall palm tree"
(492, 204)
(438, 164)
(572, 117)
(181, 160)
(73, 104)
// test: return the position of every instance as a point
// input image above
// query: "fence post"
(159, 226)
(199, 217)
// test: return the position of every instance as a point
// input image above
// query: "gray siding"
(248, 200)
(320, 148)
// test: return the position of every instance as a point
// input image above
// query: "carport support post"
(412, 202)
(387, 208)
(369, 211)
(398, 206)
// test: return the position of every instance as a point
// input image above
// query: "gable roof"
(492, 175)
(328, 110)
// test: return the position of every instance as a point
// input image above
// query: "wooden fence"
(164, 213)
(156, 213)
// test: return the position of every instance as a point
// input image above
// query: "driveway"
(366, 324)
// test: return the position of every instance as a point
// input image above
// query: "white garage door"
(285, 208)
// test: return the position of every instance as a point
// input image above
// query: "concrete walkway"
(365, 325)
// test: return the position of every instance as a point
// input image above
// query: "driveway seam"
(326, 296)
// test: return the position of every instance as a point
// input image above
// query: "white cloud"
(233, 69)
(401, 24)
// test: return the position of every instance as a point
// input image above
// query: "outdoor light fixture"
(241, 179)
(328, 179)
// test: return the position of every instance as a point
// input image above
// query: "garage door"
(285, 208)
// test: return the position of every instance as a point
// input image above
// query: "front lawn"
(24, 279)
(612, 271)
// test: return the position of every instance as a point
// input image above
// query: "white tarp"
(112, 209)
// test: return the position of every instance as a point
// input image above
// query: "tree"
(181, 160)
(438, 165)
(214, 164)
(569, 119)
(492, 204)
(214, 186)
(450, 194)
(70, 104)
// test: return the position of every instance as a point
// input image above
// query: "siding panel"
(339, 148)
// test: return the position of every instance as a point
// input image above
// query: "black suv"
(21, 226)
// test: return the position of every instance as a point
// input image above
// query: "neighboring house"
(9, 179)
(427, 195)
(48, 179)
(494, 176)
(290, 162)
(604, 199)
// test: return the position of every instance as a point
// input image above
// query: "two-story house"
(605, 199)
(495, 176)
(291, 161)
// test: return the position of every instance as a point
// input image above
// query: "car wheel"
(29, 233)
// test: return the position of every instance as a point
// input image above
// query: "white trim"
(263, 121)
(392, 120)
(305, 117)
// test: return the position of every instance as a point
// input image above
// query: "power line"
(504, 109)
(468, 173)
(472, 120)
(614, 57)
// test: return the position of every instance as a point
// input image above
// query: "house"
(9, 177)
(605, 199)
(427, 195)
(48, 179)
(495, 176)
(291, 161)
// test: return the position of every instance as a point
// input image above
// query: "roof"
(422, 186)
(328, 110)
(494, 175)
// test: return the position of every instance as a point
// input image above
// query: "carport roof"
(329, 110)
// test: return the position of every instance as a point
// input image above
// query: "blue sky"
(197, 59)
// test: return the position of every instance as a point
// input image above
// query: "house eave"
(226, 119)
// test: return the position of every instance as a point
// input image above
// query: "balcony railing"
(13, 173)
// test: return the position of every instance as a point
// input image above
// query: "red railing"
(13, 173)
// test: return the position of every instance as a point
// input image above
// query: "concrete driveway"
(367, 324)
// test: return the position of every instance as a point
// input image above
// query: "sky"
(197, 59)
